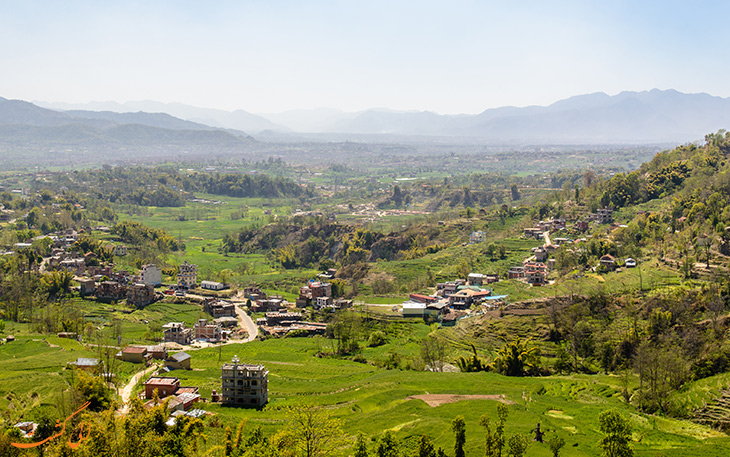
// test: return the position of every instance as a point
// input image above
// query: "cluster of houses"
(601, 216)
(283, 322)
(453, 298)
(211, 332)
(107, 285)
(145, 354)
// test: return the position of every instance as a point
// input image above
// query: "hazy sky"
(268, 56)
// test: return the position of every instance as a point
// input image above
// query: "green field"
(372, 400)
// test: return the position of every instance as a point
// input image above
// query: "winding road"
(126, 393)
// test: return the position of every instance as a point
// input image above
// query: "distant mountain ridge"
(655, 116)
(29, 130)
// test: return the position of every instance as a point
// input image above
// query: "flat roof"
(134, 350)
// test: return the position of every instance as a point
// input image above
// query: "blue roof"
(496, 297)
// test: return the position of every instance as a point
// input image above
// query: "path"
(546, 235)
(127, 389)
(246, 323)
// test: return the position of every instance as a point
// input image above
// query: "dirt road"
(126, 393)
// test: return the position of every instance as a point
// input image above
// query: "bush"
(377, 338)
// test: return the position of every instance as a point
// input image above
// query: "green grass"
(371, 399)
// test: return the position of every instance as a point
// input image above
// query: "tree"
(361, 447)
(518, 445)
(518, 358)
(425, 447)
(515, 192)
(555, 444)
(616, 441)
(433, 353)
(458, 426)
(387, 445)
(472, 363)
(316, 432)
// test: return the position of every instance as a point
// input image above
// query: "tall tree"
(458, 426)
(616, 441)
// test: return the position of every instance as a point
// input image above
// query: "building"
(535, 277)
(581, 226)
(244, 385)
(187, 275)
(541, 254)
(475, 279)
(175, 332)
(608, 262)
(413, 309)
(477, 237)
(205, 331)
(134, 354)
(421, 298)
(111, 291)
(140, 295)
(516, 273)
(87, 286)
(86, 364)
(533, 232)
(219, 308)
(212, 285)
(158, 352)
(164, 386)
(278, 318)
(178, 361)
(151, 275)
(120, 250)
(630, 263)
(323, 302)
(605, 215)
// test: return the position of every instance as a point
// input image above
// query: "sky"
(269, 56)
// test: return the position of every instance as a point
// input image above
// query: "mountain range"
(656, 116)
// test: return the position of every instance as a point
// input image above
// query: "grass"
(371, 400)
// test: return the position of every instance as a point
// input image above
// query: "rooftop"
(161, 380)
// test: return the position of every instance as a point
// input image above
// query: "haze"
(272, 56)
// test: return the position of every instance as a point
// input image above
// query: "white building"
(151, 275)
(413, 309)
(212, 285)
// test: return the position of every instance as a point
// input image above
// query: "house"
(187, 274)
(163, 385)
(464, 298)
(134, 354)
(151, 275)
(581, 226)
(120, 250)
(282, 318)
(212, 285)
(87, 286)
(491, 278)
(516, 273)
(533, 232)
(630, 263)
(27, 429)
(421, 298)
(205, 331)
(158, 352)
(75, 266)
(253, 290)
(244, 385)
(608, 262)
(436, 309)
(226, 321)
(413, 309)
(268, 304)
(140, 295)
(175, 332)
(541, 254)
(178, 361)
(219, 308)
(99, 270)
(605, 215)
(535, 277)
(108, 291)
(558, 223)
(477, 237)
(475, 279)
(323, 302)
(86, 364)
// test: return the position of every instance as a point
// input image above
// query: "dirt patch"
(434, 400)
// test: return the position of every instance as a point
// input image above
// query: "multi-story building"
(175, 332)
(244, 385)
(187, 274)
(151, 274)
(605, 215)
(140, 295)
(206, 331)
